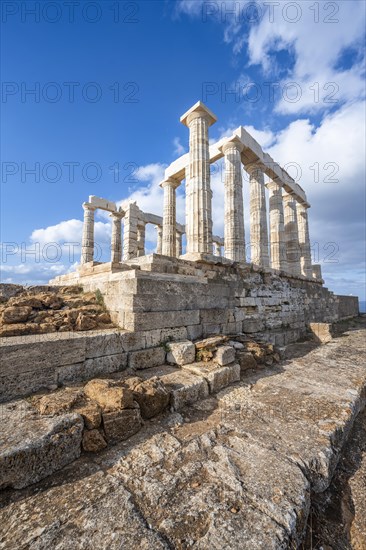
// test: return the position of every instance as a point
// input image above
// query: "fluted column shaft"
(116, 241)
(234, 237)
(199, 215)
(169, 217)
(87, 244)
(277, 227)
(304, 240)
(178, 243)
(291, 235)
(141, 238)
(130, 246)
(159, 241)
(217, 249)
(258, 218)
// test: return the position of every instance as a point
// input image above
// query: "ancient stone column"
(277, 227)
(234, 209)
(131, 219)
(291, 235)
(217, 249)
(258, 217)
(169, 216)
(198, 190)
(141, 238)
(178, 243)
(304, 240)
(116, 241)
(317, 271)
(87, 244)
(159, 241)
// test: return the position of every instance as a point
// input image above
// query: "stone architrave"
(198, 190)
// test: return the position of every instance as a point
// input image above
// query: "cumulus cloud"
(179, 149)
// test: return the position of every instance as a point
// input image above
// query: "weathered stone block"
(121, 425)
(93, 441)
(108, 395)
(16, 314)
(185, 388)
(181, 353)
(105, 343)
(34, 447)
(322, 332)
(144, 359)
(152, 397)
(225, 355)
(246, 360)
(91, 415)
(217, 377)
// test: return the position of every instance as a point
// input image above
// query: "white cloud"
(179, 149)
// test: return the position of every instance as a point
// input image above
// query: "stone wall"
(347, 306)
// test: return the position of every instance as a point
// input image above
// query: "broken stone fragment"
(322, 332)
(93, 441)
(246, 360)
(58, 402)
(152, 396)
(211, 343)
(108, 395)
(120, 425)
(85, 322)
(91, 415)
(16, 314)
(181, 353)
(225, 355)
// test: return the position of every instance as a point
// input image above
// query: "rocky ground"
(249, 467)
(43, 309)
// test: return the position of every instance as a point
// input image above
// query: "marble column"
(198, 191)
(141, 238)
(87, 244)
(277, 227)
(234, 237)
(169, 216)
(217, 249)
(116, 241)
(130, 246)
(159, 240)
(304, 240)
(178, 243)
(258, 217)
(317, 271)
(291, 235)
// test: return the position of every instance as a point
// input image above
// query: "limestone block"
(120, 425)
(16, 314)
(225, 355)
(34, 447)
(152, 397)
(185, 388)
(14, 385)
(90, 412)
(93, 441)
(253, 325)
(322, 332)
(217, 377)
(104, 365)
(108, 395)
(58, 402)
(194, 332)
(165, 319)
(246, 360)
(103, 343)
(147, 358)
(181, 353)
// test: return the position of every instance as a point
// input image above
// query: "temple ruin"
(211, 288)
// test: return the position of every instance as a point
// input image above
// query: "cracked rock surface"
(236, 470)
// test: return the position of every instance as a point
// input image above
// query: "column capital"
(89, 206)
(288, 197)
(233, 143)
(170, 182)
(274, 185)
(198, 110)
(253, 167)
(118, 214)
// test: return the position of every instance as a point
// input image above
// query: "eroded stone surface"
(181, 353)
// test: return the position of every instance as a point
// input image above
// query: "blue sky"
(111, 86)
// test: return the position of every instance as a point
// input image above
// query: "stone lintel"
(199, 108)
(103, 204)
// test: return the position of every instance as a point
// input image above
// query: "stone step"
(33, 447)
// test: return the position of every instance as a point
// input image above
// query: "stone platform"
(234, 470)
